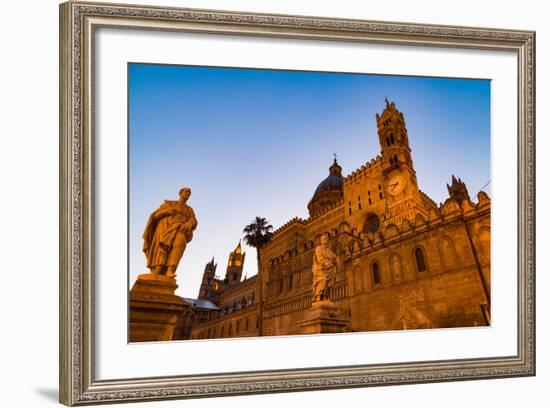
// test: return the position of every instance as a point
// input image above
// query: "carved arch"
(447, 253)
(358, 286)
(391, 231)
(396, 268)
(484, 238)
(344, 227)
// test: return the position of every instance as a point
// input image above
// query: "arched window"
(392, 140)
(246, 324)
(376, 273)
(420, 261)
(387, 141)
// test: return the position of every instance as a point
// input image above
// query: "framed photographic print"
(258, 203)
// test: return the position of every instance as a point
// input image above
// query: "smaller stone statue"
(325, 265)
(168, 231)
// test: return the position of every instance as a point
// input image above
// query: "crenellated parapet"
(427, 199)
(449, 211)
(289, 224)
(367, 170)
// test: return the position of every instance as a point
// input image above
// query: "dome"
(332, 182)
(329, 191)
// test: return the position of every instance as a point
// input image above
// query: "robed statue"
(325, 265)
(168, 231)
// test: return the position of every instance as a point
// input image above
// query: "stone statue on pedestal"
(154, 306)
(167, 233)
(324, 315)
(325, 263)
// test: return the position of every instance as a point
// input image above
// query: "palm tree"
(257, 234)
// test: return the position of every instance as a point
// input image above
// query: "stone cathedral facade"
(406, 262)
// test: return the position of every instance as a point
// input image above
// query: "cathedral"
(406, 262)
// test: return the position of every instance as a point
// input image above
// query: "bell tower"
(403, 199)
(235, 266)
(209, 284)
(393, 139)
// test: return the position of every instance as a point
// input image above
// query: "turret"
(235, 266)
(458, 190)
(209, 285)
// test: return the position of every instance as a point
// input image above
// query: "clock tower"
(393, 139)
(403, 198)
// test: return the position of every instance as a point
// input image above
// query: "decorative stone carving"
(483, 198)
(406, 226)
(419, 220)
(391, 231)
(450, 207)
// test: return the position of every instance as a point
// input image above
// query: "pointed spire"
(458, 190)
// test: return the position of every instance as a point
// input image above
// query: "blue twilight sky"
(258, 142)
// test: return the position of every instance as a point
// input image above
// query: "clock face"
(396, 185)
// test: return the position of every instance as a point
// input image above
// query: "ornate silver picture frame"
(79, 22)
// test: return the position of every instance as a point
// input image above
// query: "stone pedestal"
(154, 308)
(324, 317)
